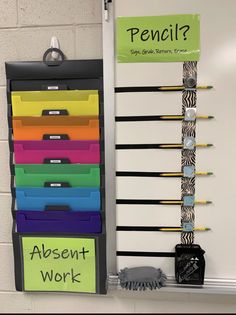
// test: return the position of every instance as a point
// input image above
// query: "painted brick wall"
(26, 27)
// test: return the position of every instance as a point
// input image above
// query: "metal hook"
(55, 44)
(106, 9)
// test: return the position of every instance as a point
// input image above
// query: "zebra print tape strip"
(189, 99)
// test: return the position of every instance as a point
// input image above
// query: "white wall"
(26, 27)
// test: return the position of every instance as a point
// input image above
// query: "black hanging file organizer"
(56, 77)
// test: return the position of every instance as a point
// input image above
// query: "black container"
(189, 264)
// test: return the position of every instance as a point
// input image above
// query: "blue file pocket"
(73, 199)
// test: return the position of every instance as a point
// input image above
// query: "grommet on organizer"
(189, 171)
(189, 143)
(190, 82)
(53, 56)
(188, 201)
(187, 226)
(190, 114)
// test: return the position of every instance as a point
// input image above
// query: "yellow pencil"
(181, 229)
(204, 145)
(156, 118)
(158, 88)
(197, 202)
(177, 117)
(181, 87)
(203, 173)
(158, 202)
(179, 174)
(158, 174)
(180, 145)
(158, 228)
(202, 202)
(158, 146)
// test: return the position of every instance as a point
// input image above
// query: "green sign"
(158, 38)
(59, 264)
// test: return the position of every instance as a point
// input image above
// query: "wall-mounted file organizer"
(56, 141)
(65, 175)
(56, 128)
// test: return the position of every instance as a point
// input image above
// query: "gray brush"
(142, 278)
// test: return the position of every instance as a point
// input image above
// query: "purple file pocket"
(58, 222)
(57, 152)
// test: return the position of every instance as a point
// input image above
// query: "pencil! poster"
(158, 38)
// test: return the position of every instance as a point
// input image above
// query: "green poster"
(59, 264)
(158, 38)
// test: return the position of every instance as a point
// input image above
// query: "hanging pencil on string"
(174, 88)
(157, 118)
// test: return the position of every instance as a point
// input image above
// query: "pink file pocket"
(57, 152)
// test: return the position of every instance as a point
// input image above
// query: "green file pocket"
(62, 175)
(59, 263)
(39, 103)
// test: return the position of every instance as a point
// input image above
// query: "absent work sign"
(59, 264)
(158, 38)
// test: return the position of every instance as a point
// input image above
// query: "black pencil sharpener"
(189, 264)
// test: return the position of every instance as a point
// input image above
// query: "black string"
(145, 174)
(145, 254)
(145, 146)
(145, 118)
(145, 228)
(145, 202)
(146, 89)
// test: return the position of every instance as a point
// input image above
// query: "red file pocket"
(57, 152)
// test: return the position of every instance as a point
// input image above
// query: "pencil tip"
(208, 229)
(210, 145)
(210, 87)
(211, 117)
(209, 202)
(210, 173)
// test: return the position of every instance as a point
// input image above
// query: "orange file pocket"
(56, 128)
(38, 103)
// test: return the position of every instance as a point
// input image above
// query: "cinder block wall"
(26, 27)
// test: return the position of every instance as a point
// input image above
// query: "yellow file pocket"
(40, 103)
